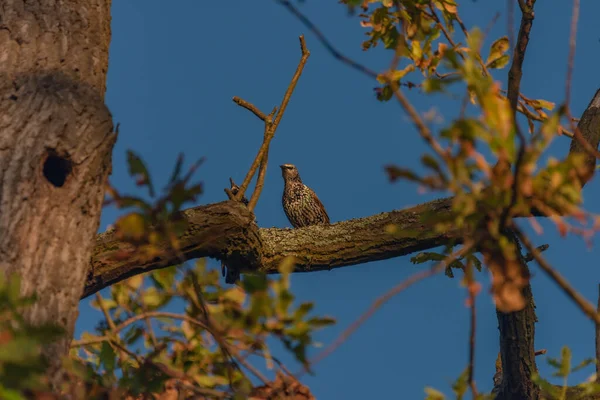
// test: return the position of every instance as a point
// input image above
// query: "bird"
(300, 203)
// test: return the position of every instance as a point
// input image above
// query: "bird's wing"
(321, 207)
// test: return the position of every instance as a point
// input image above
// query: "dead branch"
(269, 132)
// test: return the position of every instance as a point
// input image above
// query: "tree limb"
(227, 231)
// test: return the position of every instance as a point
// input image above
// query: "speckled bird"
(301, 205)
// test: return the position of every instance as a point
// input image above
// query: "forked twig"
(269, 132)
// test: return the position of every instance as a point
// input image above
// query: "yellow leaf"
(498, 48)
(235, 294)
(132, 226)
(287, 265)
(416, 50)
(499, 62)
(399, 74)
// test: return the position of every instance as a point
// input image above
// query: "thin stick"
(109, 320)
(262, 171)
(571, 59)
(416, 118)
(419, 276)
(273, 126)
(325, 42)
(583, 304)
(516, 69)
(250, 107)
(139, 317)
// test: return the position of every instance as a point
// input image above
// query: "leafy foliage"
(563, 369)
(140, 347)
(22, 366)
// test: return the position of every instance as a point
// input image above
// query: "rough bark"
(589, 126)
(517, 334)
(55, 149)
(227, 231)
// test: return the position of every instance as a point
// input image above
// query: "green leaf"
(500, 62)
(177, 170)
(138, 170)
(433, 394)
(108, 357)
(132, 226)
(321, 322)
(583, 364)
(152, 297)
(303, 310)
(498, 48)
(255, 283)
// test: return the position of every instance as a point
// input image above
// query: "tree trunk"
(55, 150)
(517, 351)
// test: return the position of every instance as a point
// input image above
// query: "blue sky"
(174, 67)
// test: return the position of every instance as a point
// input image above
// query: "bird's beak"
(281, 166)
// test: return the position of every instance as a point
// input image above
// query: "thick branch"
(227, 231)
(589, 132)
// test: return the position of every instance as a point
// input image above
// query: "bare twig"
(529, 257)
(540, 352)
(583, 304)
(514, 84)
(250, 107)
(516, 69)
(270, 129)
(417, 120)
(419, 276)
(324, 41)
(136, 318)
(571, 59)
(444, 30)
(262, 171)
(109, 320)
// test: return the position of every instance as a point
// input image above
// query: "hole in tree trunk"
(57, 168)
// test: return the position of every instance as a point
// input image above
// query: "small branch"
(514, 86)
(109, 320)
(540, 352)
(262, 171)
(516, 69)
(359, 67)
(417, 120)
(583, 304)
(571, 59)
(250, 107)
(415, 278)
(288, 93)
(270, 129)
(444, 30)
(139, 317)
(529, 257)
